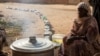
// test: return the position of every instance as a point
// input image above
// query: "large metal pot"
(32, 46)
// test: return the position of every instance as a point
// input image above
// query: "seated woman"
(83, 39)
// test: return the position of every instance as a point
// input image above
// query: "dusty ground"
(60, 16)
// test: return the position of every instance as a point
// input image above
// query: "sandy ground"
(60, 16)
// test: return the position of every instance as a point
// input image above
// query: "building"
(47, 1)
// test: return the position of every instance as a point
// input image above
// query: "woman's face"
(82, 12)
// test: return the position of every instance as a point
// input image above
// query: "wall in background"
(47, 1)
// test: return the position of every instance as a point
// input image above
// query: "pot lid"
(32, 44)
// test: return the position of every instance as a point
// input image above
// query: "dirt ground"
(60, 16)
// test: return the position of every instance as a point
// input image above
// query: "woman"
(83, 35)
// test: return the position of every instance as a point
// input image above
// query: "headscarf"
(85, 6)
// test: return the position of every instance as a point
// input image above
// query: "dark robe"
(96, 10)
(2, 38)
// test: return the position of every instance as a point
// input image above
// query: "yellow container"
(58, 38)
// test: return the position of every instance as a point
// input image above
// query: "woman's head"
(83, 9)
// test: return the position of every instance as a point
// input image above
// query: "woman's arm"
(75, 28)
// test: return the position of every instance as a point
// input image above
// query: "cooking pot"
(33, 46)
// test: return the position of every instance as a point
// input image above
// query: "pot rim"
(49, 45)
